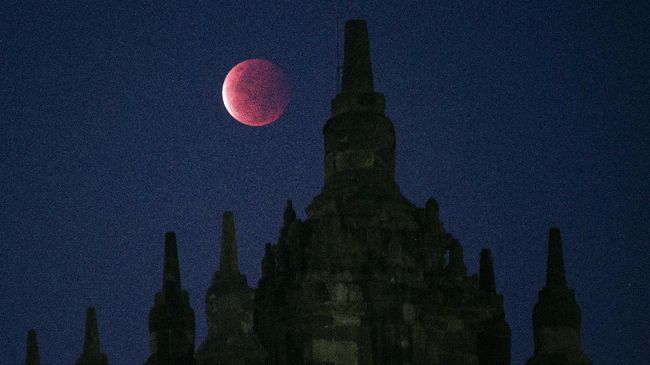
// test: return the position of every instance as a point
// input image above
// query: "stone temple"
(367, 277)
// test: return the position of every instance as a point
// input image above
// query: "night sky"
(515, 117)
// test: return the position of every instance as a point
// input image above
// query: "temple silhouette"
(368, 277)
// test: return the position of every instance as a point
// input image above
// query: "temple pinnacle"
(32, 357)
(357, 92)
(229, 262)
(357, 70)
(487, 283)
(91, 354)
(289, 213)
(555, 276)
(171, 271)
(556, 316)
(171, 319)
(91, 337)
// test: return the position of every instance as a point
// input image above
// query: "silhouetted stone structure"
(229, 310)
(366, 278)
(92, 354)
(556, 317)
(32, 357)
(171, 320)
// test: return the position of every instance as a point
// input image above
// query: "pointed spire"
(171, 271)
(91, 337)
(487, 282)
(171, 319)
(32, 357)
(91, 354)
(555, 276)
(556, 316)
(357, 92)
(289, 213)
(357, 70)
(229, 262)
(359, 139)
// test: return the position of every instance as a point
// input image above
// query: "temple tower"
(556, 316)
(359, 139)
(364, 278)
(494, 339)
(91, 354)
(32, 357)
(171, 320)
(229, 309)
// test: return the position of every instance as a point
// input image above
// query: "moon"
(255, 92)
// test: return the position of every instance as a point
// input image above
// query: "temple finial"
(91, 337)
(556, 317)
(289, 213)
(487, 282)
(357, 92)
(91, 354)
(171, 271)
(171, 319)
(357, 69)
(229, 262)
(555, 276)
(32, 357)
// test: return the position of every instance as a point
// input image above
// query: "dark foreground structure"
(366, 278)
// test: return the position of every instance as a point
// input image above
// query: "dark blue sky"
(515, 116)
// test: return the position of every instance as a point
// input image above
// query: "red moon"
(255, 92)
